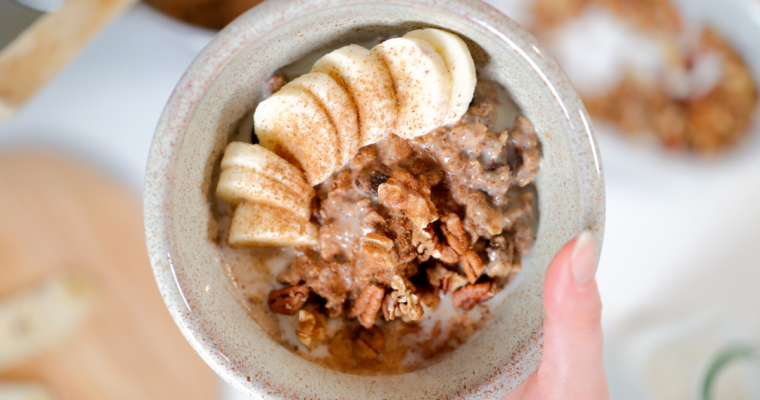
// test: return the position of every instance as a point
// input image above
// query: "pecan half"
(473, 266)
(453, 231)
(367, 305)
(379, 250)
(311, 327)
(470, 295)
(288, 300)
(448, 255)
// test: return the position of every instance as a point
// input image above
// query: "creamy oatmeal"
(379, 207)
(415, 237)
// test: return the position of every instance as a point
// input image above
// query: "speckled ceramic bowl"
(223, 84)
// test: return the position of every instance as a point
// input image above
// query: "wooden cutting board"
(57, 215)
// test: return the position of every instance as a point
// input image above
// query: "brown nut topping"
(455, 234)
(444, 279)
(470, 295)
(288, 300)
(473, 266)
(448, 255)
(311, 327)
(405, 193)
(402, 301)
(367, 305)
(379, 250)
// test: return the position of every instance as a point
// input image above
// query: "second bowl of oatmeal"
(332, 253)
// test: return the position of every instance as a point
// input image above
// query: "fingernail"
(583, 258)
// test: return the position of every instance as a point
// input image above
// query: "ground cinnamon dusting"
(414, 237)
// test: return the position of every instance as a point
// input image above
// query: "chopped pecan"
(403, 192)
(448, 255)
(470, 295)
(429, 245)
(369, 181)
(473, 266)
(288, 300)
(367, 305)
(389, 307)
(402, 301)
(369, 344)
(453, 230)
(444, 279)
(379, 250)
(311, 327)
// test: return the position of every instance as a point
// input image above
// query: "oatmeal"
(433, 225)
(660, 73)
(382, 207)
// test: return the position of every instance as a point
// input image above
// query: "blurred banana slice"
(456, 55)
(251, 172)
(369, 83)
(339, 106)
(37, 319)
(293, 125)
(422, 84)
(256, 224)
(25, 391)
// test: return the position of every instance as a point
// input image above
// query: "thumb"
(572, 358)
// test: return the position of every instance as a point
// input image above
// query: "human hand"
(572, 367)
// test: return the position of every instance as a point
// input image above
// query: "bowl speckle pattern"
(224, 83)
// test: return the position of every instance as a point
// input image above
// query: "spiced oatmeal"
(416, 238)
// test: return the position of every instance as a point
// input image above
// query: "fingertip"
(570, 291)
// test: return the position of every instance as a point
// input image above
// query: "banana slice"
(251, 172)
(339, 106)
(369, 83)
(460, 65)
(263, 161)
(255, 224)
(40, 318)
(294, 125)
(422, 83)
(25, 391)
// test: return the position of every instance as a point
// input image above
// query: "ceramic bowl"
(224, 83)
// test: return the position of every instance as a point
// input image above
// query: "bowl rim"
(223, 49)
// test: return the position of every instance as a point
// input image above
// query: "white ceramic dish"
(223, 84)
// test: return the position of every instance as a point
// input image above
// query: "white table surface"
(679, 236)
